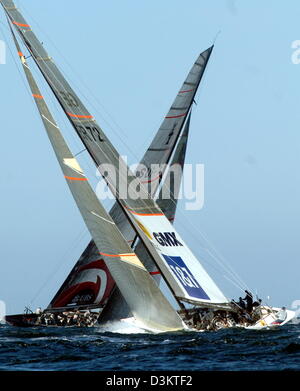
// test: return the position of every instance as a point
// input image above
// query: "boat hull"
(269, 320)
(22, 320)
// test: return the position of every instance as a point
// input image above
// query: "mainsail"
(185, 275)
(82, 286)
(134, 281)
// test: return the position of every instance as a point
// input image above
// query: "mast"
(144, 298)
(188, 279)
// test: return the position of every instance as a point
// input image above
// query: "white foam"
(121, 328)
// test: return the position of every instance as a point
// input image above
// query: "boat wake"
(122, 327)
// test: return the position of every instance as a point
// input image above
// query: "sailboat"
(160, 248)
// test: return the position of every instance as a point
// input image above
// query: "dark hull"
(53, 319)
(22, 320)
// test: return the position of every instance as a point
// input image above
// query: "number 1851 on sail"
(186, 278)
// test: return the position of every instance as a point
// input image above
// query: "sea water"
(123, 348)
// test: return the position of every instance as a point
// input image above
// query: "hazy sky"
(127, 58)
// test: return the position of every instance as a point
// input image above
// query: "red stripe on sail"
(117, 255)
(75, 179)
(151, 180)
(177, 116)
(21, 24)
(153, 273)
(145, 214)
(79, 116)
(183, 92)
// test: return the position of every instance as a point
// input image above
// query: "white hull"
(268, 320)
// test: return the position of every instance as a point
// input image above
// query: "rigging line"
(222, 259)
(78, 153)
(221, 262)
(63, 260)
(189, 227)
(216, 36)
(234, 277)
(217, 257)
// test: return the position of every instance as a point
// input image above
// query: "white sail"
(183, 272)
(146, 301)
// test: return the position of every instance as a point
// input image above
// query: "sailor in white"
(281, 315)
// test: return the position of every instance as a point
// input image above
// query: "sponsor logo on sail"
(167, 239)
(185, 277)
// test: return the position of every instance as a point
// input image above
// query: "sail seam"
(100, 217)
(50, 121)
